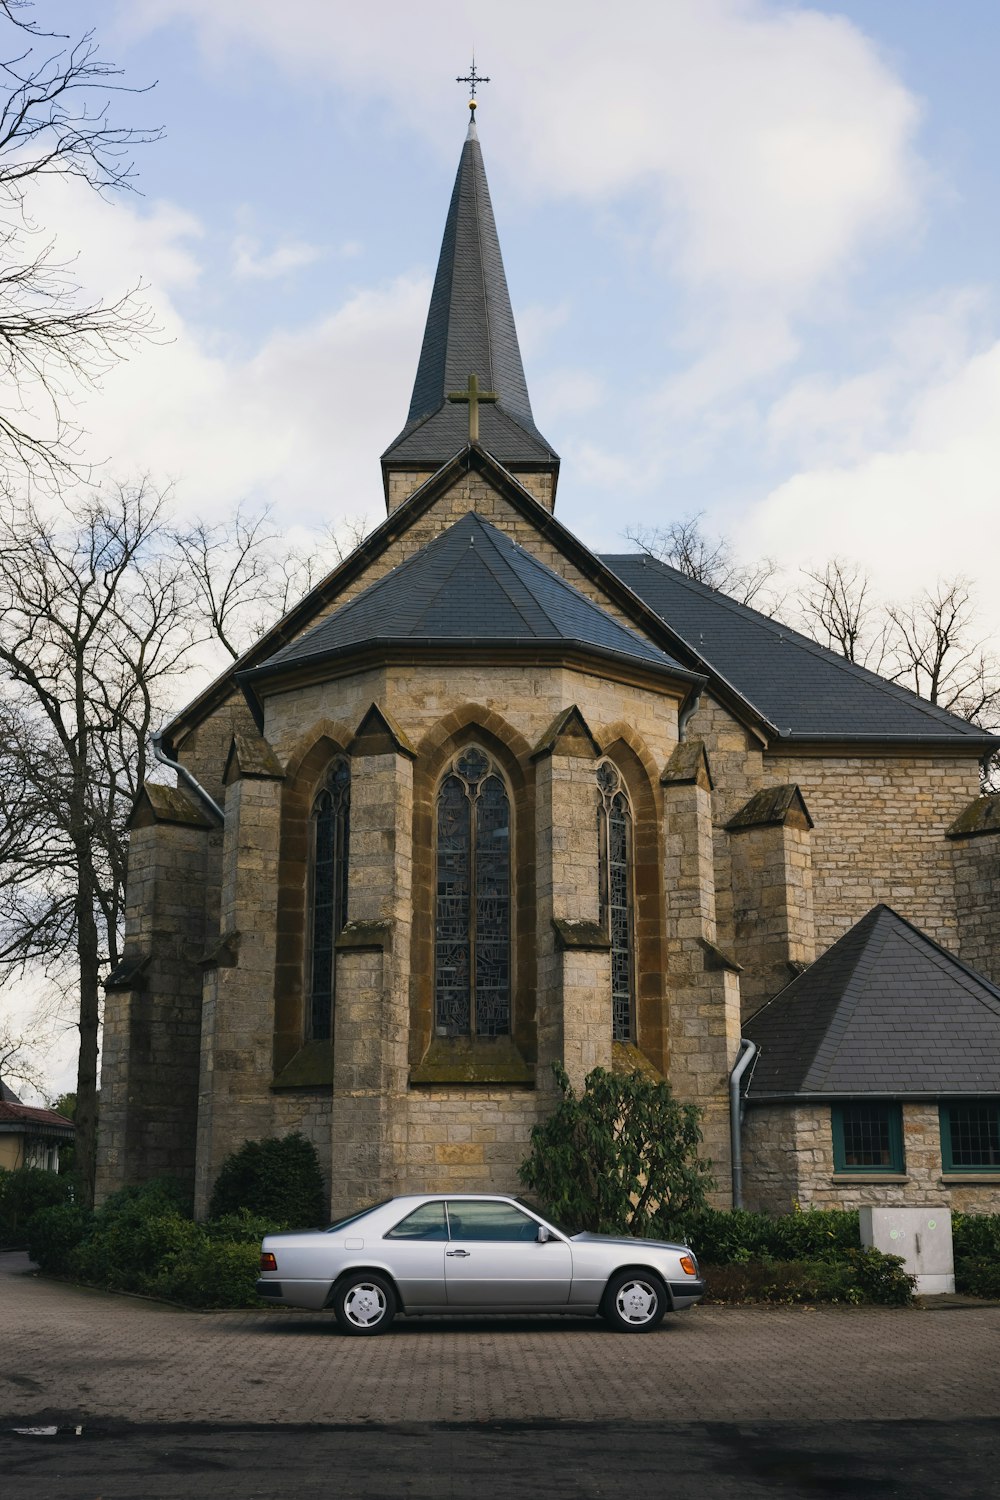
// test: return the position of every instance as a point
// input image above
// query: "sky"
(751, 249)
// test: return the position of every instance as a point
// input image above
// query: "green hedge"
(24, 1193)
(733, 1237)
(859, 1276)
(144, 1240)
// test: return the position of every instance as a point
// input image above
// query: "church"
(485, 800)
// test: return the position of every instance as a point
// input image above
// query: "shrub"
(976, 1236)
(126, 1253)
(732, 1237)
(978, 1276)
(621, 1157)
(861, 1276)
(212, 1272)
(23, 1193)
(54, 1234)
(278, 1179)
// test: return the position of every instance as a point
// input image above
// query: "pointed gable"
(884, 1011)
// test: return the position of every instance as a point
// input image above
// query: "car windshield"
(353, 1218)
(569, 1230)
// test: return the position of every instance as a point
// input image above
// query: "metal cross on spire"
(473, 78)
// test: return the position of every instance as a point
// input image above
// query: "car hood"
(625, 1239)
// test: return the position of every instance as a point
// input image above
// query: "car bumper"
(686, 1293)
(310, 1294)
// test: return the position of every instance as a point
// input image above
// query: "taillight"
(267, 1261)
(687, 1265)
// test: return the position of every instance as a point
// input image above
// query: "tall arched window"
(614, 832)
(330, 835)
(472, 959)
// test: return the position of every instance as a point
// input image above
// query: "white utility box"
(922, 1236)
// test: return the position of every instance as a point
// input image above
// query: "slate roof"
(470, 584)
(884, 1011)
(470, 331)
(803, 690)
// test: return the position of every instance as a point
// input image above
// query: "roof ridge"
(827, 653)
(945, 959)
(491, 533)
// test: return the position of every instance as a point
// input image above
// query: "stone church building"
(485, 800)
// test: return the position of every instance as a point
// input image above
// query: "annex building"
(485, 800)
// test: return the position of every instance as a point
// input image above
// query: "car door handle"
(456, 1252)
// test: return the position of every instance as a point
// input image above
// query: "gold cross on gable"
(473, 395)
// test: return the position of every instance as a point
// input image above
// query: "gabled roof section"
(470, 331)
(806, 691)
(884, 1011)
(470, 585)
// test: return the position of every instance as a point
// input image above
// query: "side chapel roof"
(884, 1011)
(807, 691)
(470, 331)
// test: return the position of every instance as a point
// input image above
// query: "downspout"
(185, 774)
(688, 714)
(747, 1053)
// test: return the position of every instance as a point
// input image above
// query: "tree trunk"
(86, 1079)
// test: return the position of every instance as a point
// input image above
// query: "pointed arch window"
(330, 839)
(614, 833)
(472, 929)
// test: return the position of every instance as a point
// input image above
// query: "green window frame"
(970, 1135)
(867, 1136)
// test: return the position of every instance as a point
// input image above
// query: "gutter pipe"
(689, 713)
(185, 774)
(747, 1053)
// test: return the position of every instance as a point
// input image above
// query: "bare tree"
(54, 121)
(17, 1059)
(836, 607)
(96, 619)
(247, 578)
(938, 654)
(711, 560)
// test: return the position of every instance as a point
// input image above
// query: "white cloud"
(767, 146)
(301, 420)
(923, 507)
(249, 263)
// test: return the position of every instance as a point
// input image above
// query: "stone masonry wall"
(788, 1159)
(879, 836)
(977, 896)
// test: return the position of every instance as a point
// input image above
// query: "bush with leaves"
(856, 1277)
(54, 1234)
(277, 1178)
(620, 1158)
(732, 1237)
(23, 1193)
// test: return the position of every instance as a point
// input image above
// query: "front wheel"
(634, 1302)
(365, 1304)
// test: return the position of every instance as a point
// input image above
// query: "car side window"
(483, 1220)
(425, 1223)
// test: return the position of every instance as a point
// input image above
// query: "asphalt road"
(683, 1460)
(721, 1402)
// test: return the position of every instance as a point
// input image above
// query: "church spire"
(470, 331)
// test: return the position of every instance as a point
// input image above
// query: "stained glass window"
(614, 830)
(330, 838)
(472, 925)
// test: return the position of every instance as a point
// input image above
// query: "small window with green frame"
(970, 1135)
(867, 1137)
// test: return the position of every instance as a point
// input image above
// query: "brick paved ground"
(70, 1352)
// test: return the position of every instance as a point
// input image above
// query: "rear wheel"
(634, 1302)
(365, 1304)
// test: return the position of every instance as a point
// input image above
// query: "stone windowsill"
(473, 1060)
(952, 1179)
(840, 1178)
(310, 1068)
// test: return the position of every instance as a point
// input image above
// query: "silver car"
(473, 1253)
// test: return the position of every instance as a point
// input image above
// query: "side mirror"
(544, 1235)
